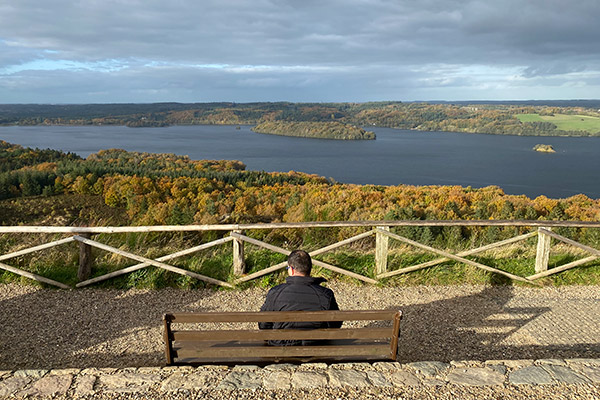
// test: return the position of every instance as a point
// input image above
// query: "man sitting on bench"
(300, 292)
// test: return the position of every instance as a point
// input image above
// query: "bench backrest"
(229, 345)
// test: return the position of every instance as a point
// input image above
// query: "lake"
(396, 157)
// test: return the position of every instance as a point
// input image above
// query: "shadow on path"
(479, 326)
(84, 328)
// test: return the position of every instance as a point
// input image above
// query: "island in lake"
(544, 148)
(318, 130)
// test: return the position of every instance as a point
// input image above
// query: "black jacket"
(299, 293)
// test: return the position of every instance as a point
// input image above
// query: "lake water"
(396, 157)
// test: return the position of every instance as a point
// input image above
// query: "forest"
(488, 118)
(172, 189)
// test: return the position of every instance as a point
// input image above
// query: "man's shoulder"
(277, 288)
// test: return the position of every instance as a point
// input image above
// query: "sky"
(145, 51)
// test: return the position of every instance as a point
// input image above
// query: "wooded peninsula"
(316, 130)
(550, 118)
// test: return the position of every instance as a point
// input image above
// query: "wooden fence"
(379, 229)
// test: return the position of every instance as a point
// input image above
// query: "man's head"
(300, 263)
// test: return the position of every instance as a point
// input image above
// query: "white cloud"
(64, 65)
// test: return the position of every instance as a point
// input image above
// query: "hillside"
(116, 187)
(526, 119)
(171, 189)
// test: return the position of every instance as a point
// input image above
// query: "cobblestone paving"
(286, 377)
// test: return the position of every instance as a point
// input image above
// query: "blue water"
(396, 157)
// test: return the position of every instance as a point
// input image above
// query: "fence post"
(381, 251)
(543, 251)
(239, 265)
(85, 259)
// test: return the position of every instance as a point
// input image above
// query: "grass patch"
(61, 264)
(356, 262)
(565, 122)
(215, 264)
(454, 273)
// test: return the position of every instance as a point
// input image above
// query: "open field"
(565, 122)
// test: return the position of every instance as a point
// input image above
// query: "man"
(300, 292)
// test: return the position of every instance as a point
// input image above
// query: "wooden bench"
(378, 340)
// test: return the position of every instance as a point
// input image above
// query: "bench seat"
(238, 346)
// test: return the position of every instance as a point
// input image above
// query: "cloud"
(184, 50)
(552, 69)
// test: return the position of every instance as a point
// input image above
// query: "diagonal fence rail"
(379, 229)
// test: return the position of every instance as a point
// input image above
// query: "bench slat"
(282, 316)
(250, 351)
(284, 334)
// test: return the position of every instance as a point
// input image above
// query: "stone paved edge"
(90, 381)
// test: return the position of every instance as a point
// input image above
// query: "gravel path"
(47, 328)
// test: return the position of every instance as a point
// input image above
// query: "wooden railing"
(379, 229)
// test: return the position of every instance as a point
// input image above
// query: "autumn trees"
(169, 189)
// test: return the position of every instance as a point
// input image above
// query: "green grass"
(565, 122)
(218, 265)
(61, 264)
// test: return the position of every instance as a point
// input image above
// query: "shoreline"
(590, 135)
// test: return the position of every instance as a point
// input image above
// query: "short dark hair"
(300, 261)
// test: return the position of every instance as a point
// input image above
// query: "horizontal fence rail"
(379, 229)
